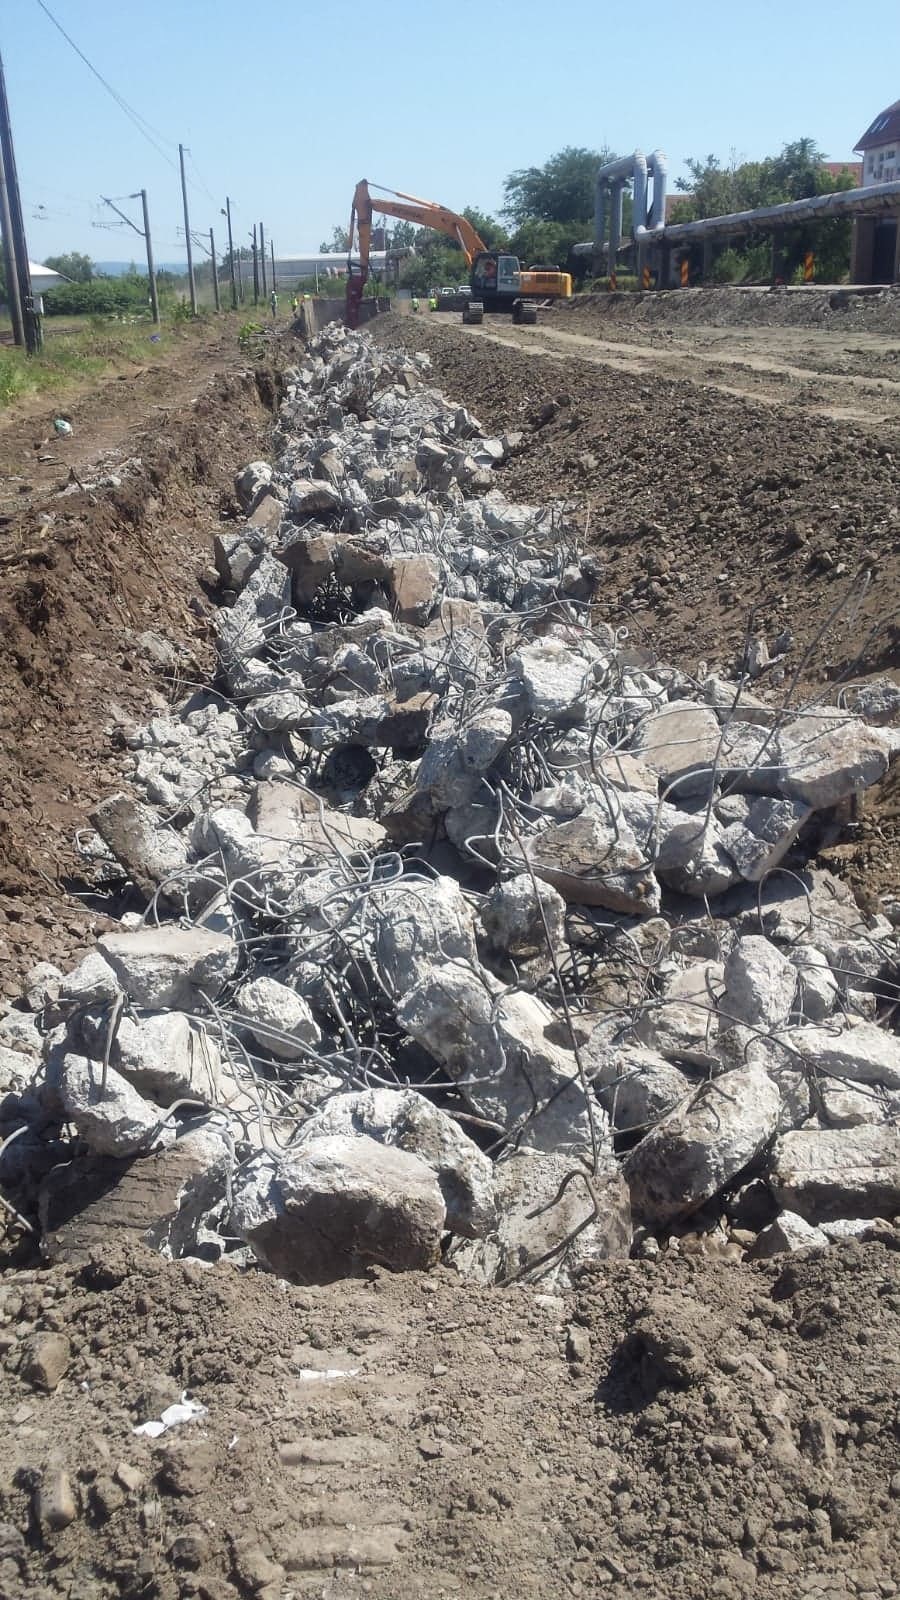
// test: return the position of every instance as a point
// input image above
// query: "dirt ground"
(87, 569)
(712, 511)
(680, 1428)
(684, 1426)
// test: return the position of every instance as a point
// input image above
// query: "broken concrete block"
(760, 983)
(692, 858)
(863, 1053)
(679, 741)
(310, 560)
(418, 926)
(119, 1122)
(829, 755)
(41, 987)
(497, 1048)
(415, 587)
(789, 1232)
(251, 483)
(406, 1120)
(877, 702)
(234, 555)
(337, 1205)
(548, 1228)
(91, 982)
(760, 841)
(373, 721)
(278, 1018)
(838, 1172)
(635, 1086)
(457, 757)
(310, 497)
(701, 1145)
(150, 852)
(523, 920)
(169, 966)
(294, 814)
(683, 1024)
(840, 1105)
(592, 863)
(555, 677)
(817, 987)
(165, 1057)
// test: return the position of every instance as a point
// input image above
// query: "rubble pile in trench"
(470, 933)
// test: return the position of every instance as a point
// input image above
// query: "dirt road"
(811, 372)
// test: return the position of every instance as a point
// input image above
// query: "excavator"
(497, 280)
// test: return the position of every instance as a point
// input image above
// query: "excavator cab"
(496, 278)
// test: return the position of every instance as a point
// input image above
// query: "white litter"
(172, 1417)
(327, 1374)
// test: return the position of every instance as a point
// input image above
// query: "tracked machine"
(497, 280)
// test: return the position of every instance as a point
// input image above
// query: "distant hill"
(116, 269)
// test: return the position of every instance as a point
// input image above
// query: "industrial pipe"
(878, 198)
(657, 164)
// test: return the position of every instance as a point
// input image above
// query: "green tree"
(74, 266)
(562, 190)
(338, 244)
(488, 229)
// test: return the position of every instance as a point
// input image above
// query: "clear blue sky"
(285, 112)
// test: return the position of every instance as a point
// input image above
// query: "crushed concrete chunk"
(838, 1172)
(337, 1205)
(829, 755)
(701, 1145)
(169, 966)
(114, 1122)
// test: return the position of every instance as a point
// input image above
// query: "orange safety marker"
(809, 267)
(612, 283)
(646, 279)
(685, 273)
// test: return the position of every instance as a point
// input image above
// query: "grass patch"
(78, 349)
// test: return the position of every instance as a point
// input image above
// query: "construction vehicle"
(496, 278)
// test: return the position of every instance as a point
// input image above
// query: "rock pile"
(471, 930)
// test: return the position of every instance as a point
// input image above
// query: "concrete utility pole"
(272, 248)
(187, 233)
(240, 273)
(255, 270)
(227, 213)
(215, 269)
(9, 256)
(145, 235)
(17, 275)
(262, 251)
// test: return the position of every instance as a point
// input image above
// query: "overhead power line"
(151, 134)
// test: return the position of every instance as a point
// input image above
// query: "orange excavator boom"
(407, 208)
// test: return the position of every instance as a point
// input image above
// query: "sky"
(284, 112)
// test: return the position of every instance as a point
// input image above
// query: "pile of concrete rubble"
(471, 932)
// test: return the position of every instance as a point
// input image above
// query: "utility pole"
(272, 248)
(18, 279)
(187, 233)
(255, 270)
(9, 257)
(240, 278)
(145, 235)
(215, 270)
(227, 213)
(262, 251)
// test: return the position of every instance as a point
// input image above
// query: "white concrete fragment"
(829, 755)
(761, 841)
(524, 918)
(862, 1053)
(789, 1232)
(278, 1018)
(760, 983)
(692, 858)
(405, 1119)
(556, 678)
(636, 1086)
(838, 1172)
(338, 1205)
(683, 1025)
(169, 966)
(679, 741)
(592, 863)
(497, 1048)
(701, 1145)
(549, 1228)
(817, 987)
(119, 1122)
(167, 1058)
(457, 756)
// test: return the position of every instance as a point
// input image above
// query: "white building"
(880, 147)
(308, 264)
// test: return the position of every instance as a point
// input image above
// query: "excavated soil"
(85, 573)
(711, 513)
(682, 1428)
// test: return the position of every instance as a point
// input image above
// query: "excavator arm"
(426, 213)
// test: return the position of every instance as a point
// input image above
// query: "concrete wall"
(316, 314)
